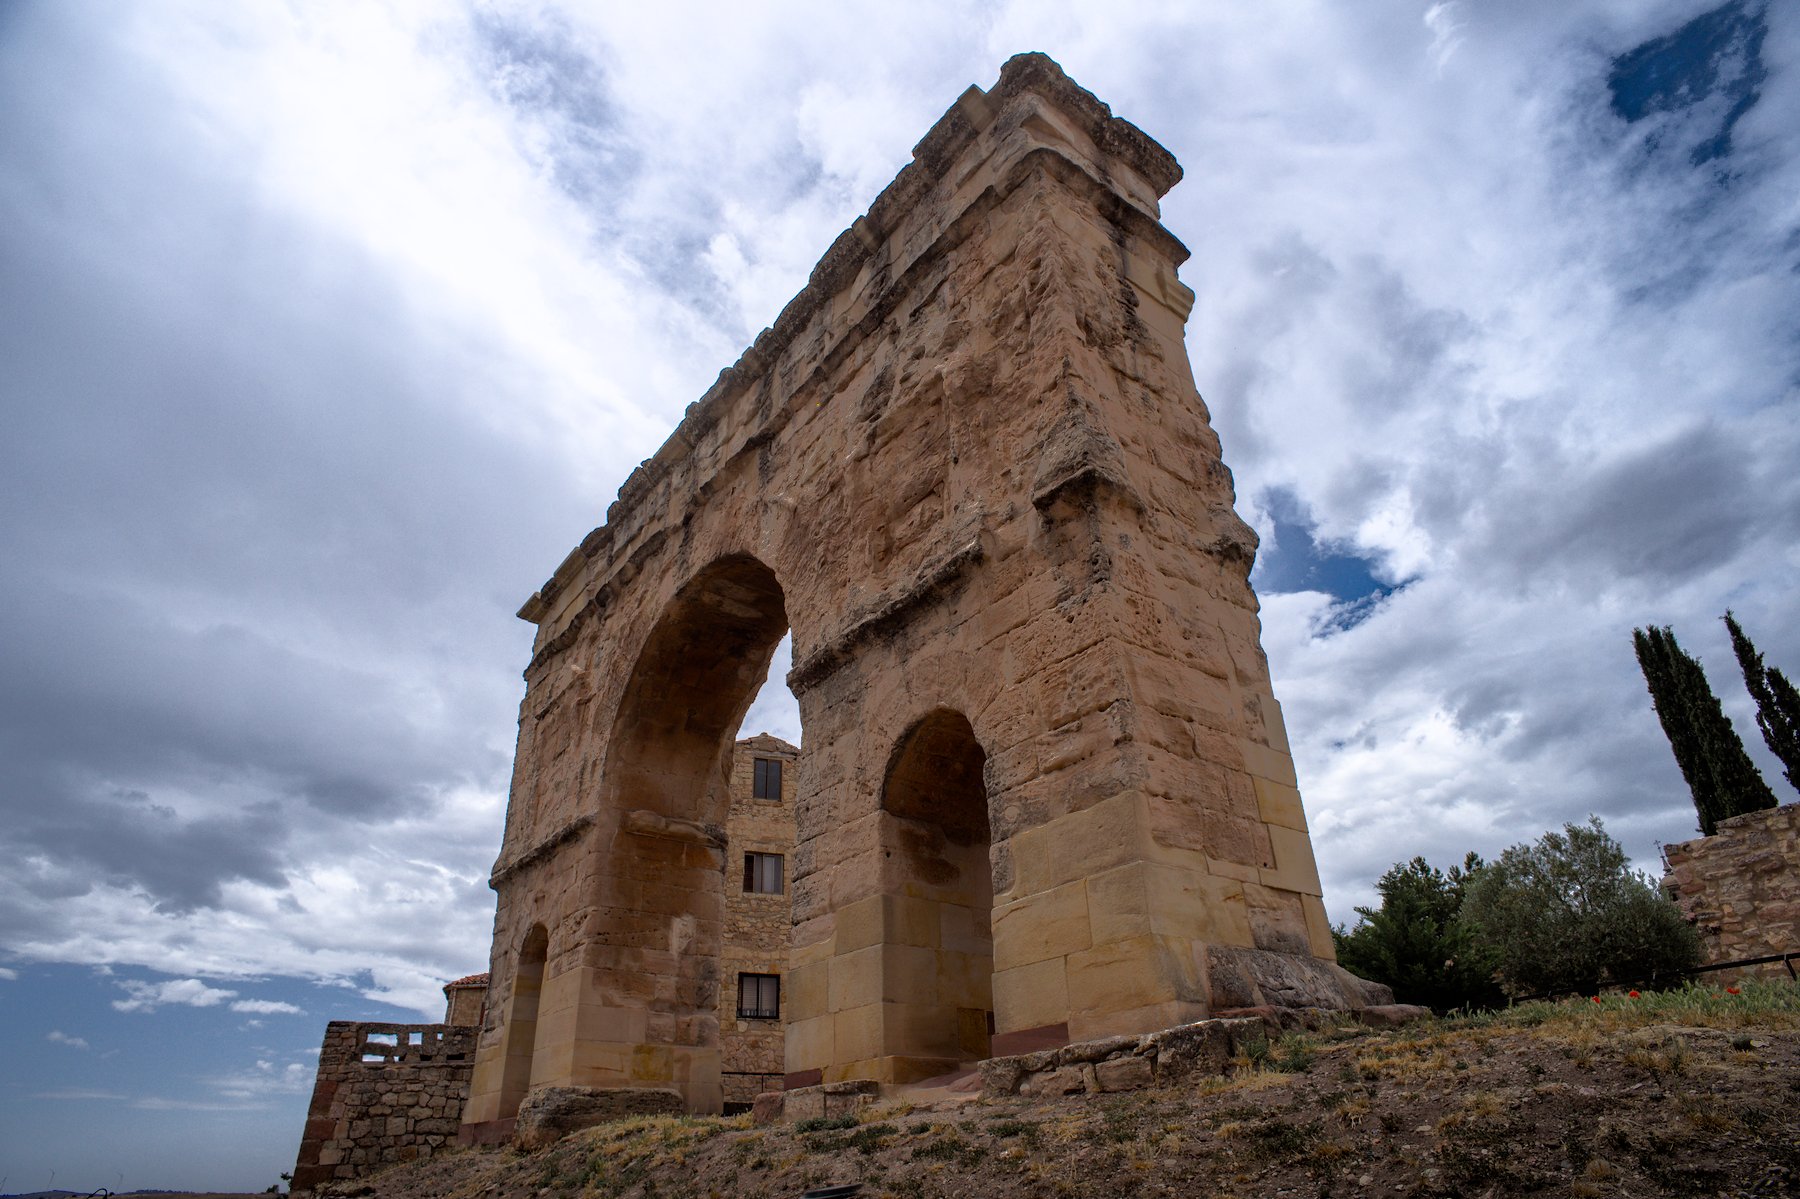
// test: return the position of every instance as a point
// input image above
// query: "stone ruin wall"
(1740, 887)
(756, 926)
(375, 1104)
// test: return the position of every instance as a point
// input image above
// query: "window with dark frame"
(759, 997)
(768, 779)
(762, 873)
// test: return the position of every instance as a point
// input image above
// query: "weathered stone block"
(1050, 924)
(1124, 1074)
(551, 1113)
(1064, 1080)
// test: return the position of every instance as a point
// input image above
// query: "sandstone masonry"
(753, 958)
(1740, 887)
(1047, 794)
(385, 1093)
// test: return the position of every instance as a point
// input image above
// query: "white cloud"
(266, 1007)
(471, 269)
(7, 974)
(75, 1094)
(157, 1103)
(58, 1037)
(147, 996)
(265, 1079)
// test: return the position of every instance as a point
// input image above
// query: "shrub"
(1569, 914)
(1416, 941)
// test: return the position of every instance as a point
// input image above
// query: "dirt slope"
(1631, 1097)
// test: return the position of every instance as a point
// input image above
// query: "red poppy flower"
(1632, 994)
(1731, 990)
(1596, 999)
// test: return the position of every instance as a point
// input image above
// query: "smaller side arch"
(520, 1040)
(938, 961)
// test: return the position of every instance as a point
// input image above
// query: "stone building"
(388, 1093)
(465, 1001)
(753, 957)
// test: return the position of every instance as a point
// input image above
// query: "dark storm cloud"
(1669, 511)
(126, 840)
(261, 551)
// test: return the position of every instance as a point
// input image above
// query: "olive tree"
(1569, 914)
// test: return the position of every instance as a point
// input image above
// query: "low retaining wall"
(1122, 1063)
(1740, 887)
(385, 1093)
(1128, 1063)
(1164, 1058)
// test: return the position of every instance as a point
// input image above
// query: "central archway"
(694, 680)
(937, 986)
(640, 1009)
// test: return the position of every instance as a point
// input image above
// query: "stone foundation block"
(823, 1101)
(551, 1113)
(1121, 1063)
(1125, 1074)
(1073, 1079)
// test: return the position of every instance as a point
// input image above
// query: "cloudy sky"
(329, 328)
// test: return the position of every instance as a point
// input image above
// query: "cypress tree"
(1720, 775)
(1655, 660)
(1777, 703)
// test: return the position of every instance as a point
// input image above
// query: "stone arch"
(638, 1007)
(938, 964)
(985, 380)
(695, 677)
(521, 1020)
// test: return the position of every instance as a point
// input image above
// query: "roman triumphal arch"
(1045, 791)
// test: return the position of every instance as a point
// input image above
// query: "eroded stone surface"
(1163, 1058)
(1740, 887)
(818, 1101)
(1045, 772)
(552, 1113)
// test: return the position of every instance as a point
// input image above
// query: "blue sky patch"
(1712, 62)
(1295, 560)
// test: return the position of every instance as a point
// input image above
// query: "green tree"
(1416, 943)
(1569, 914)
(1777, 703)
(1720, 775)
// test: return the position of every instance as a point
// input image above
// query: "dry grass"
(1664, 1096)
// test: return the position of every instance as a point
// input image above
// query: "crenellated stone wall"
(1740, 887)
(385, 1093)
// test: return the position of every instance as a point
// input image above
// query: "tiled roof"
(468, 980)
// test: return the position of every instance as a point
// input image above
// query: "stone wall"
(757, 926)
(385, 1093)
(1740, 887)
